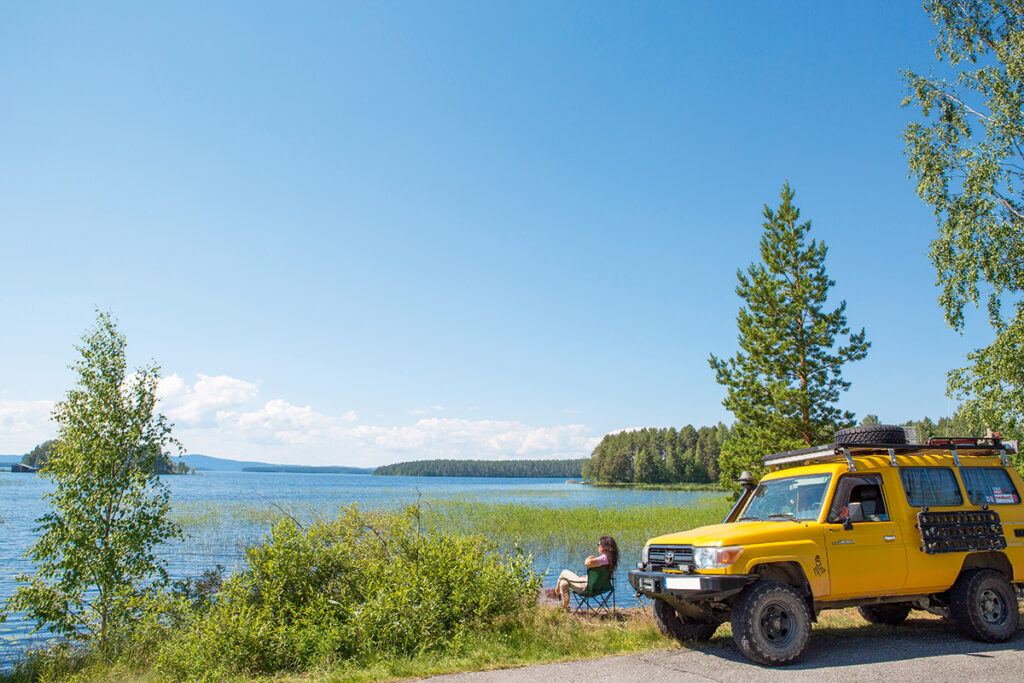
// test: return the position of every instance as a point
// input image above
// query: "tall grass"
(196, 515)
(534, 527)
(540, 529)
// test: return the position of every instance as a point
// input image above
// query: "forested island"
(38, 456)
(570, 469)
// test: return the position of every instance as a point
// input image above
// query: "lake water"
(223, 540)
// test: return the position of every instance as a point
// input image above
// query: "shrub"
(358, 587)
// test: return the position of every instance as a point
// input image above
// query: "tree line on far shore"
(570, 469)
(658, 456)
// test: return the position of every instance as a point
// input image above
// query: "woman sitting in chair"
(608, 554)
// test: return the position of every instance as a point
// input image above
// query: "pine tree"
(784, 382)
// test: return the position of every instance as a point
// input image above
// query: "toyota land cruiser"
(869, 521)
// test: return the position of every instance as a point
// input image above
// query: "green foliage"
(965, 422)
(39, 456)
(484, 468)
(366, 585)
(784, 382)
(538, 635)
(94, 555)
(967, 157)
(657, 456)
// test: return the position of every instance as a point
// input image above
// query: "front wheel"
(771, 623)
(682, 629)
(984, 606)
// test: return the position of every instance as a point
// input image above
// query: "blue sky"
(357, 233)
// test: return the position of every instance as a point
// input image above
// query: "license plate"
(683, 582)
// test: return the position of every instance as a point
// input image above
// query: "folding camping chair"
(599, 589)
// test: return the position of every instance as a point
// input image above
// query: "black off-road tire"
(891, 614)
(889, 435)
(771, 623)
(674, 626)
(984, 606)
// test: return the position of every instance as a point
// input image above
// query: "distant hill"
(207, 463)
(309, 469)
(9, 460)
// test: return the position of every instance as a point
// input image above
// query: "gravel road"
(921, 650)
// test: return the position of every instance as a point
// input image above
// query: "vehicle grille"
(681, 556)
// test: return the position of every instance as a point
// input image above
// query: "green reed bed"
(534, 527)
(541, 529)
(194, 515)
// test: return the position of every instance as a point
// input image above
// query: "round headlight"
(715, 558)
(704, 558)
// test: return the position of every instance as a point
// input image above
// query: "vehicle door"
(866, 554)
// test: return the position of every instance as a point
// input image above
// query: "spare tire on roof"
(872, 434)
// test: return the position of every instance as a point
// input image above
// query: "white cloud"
(199, 404)
(224, 417)
(451, 437)
(23, 424)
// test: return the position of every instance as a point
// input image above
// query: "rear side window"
(931, 486)
(989, 486)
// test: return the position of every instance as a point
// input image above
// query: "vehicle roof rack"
(835, 451)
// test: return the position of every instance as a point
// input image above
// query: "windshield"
(797, 498)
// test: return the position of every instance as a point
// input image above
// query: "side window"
(931, 486)
(989, 486)
(863, 493)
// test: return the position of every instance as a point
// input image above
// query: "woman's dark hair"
(611, 550)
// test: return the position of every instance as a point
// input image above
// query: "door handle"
(889, 538)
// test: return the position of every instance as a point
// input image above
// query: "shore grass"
(541, 636)
(687, 486)
(533, 527)
(541, 529)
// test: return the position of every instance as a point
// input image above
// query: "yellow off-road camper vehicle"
(869, 521)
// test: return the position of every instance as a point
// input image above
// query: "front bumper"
(689, 587)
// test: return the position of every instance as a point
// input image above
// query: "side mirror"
(850, 513)
(855, 514)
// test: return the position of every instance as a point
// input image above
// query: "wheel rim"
(993, 610)
(777, 624)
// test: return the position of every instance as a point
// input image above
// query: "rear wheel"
(984, 606)
(682, 629)
(771, 623)
(892, 614)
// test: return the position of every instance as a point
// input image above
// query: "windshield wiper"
(785, 515)
(749, 519)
